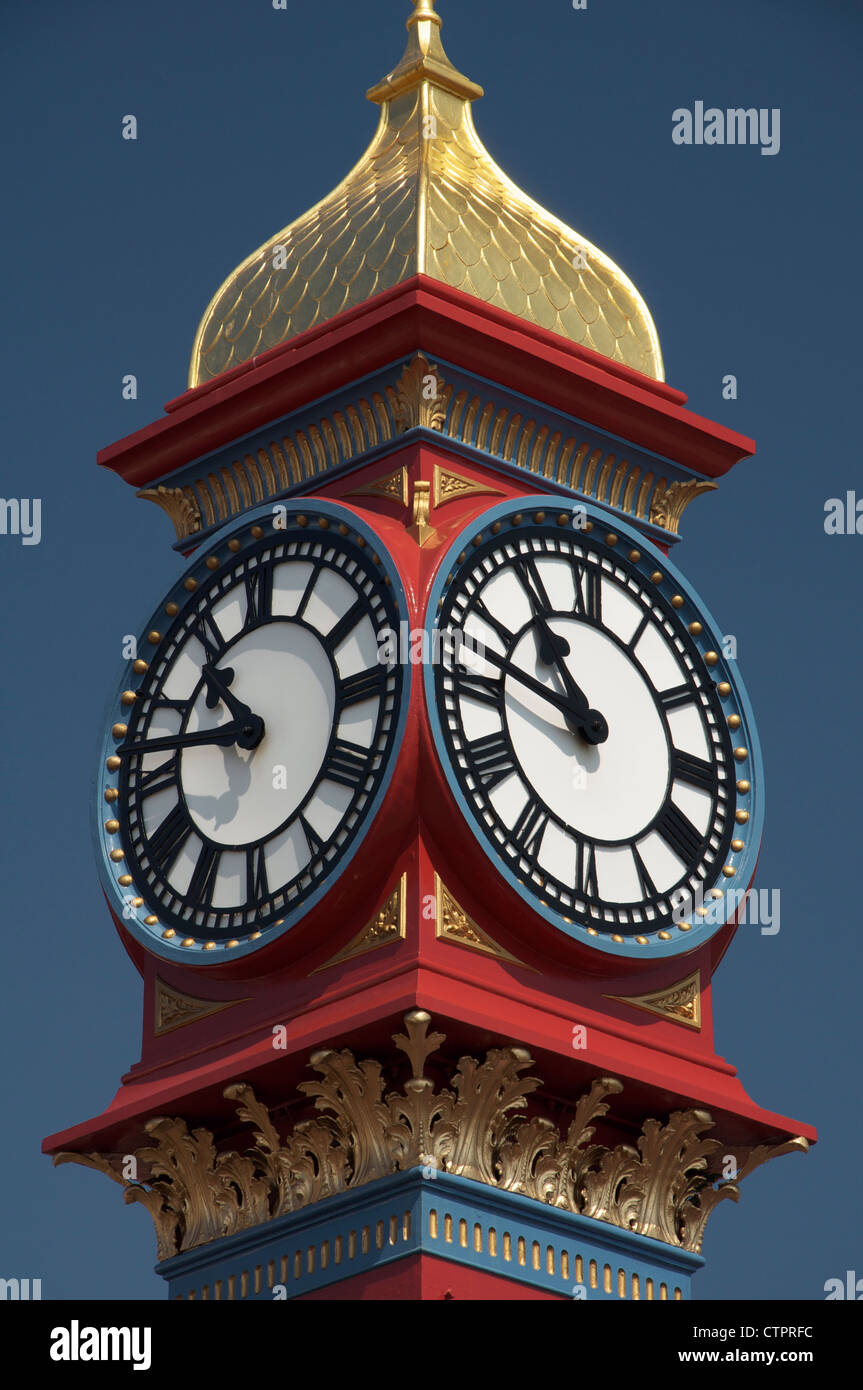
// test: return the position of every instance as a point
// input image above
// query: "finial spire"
(424, 61)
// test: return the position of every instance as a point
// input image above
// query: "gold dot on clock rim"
(188, 941)
(168, 934)
(112, 826)
(737, 845)
(695, 629)
(642, 941)
(151, 921)
(677, 600)
(128, 697)
(734, 721)
(172, 609)
(125, 880)
(741, 754)
(591, 931)
(562, 519)
(111, 794)
(212, 562)
(685, 926)
(254, 936)
(635, 556)
(234, 545)
(477, 540)
(209, 945)
(657, 577)
(729, 870)
(257, 532)
(136, 902)
(118, 855)
(664, 935)
(743, 786)
(119, 731)
(154, 637)
(190, 584)
(741, 817)
(229, 945)
(324, 523)
(711, 658)
(539, 516)
(724, 688)
(140, 666)
(618, 939)
(343, 530)
(113, 762)
(611, 539)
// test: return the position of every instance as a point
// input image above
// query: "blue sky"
(750, 264)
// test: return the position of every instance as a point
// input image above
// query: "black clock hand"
(552, 652)
(245, 733)
(218, 682)
(588, 721)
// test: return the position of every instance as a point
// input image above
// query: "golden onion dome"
(425, 198)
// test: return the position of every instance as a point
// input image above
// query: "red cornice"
(423, 314)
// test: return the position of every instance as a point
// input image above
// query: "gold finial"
(424, 61)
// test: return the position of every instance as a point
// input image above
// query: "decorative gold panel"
(173, 1009)
(453, 924)
(681, 1002)
(449, 486)
(393, 486)
(425, 198)
(664, 1187)
(388, 924)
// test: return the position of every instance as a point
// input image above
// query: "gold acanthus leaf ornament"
(664, 1187)
(668, 504)
(179, 504)
(420, 398)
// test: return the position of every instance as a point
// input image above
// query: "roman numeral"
(492, 758)
(346, 624)
(207, 632)
(202, 884)
(586, 881)
(166, 842)
(162, 702)
(588, 591)
(679, 833)
(314, 840)
(695, 771)
(526, 835)
(487, 689)
(648, 887)
(160, 778)
(365, 685)
(257, 888)
(347, 763)
(259, 594)
(307, 592)
(503, 632)
(676, 696)
(639, 632)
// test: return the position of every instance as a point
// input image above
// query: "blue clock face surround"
(597, 741)
(252, 741)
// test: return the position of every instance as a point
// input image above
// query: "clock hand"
(589, 721)
(552, 651)
(218, 682)
(245, 733)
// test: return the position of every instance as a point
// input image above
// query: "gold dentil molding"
(665, 1186)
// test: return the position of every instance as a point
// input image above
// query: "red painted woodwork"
(424, 314)
(427, 1278)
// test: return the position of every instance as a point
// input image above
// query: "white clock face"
(259, 736)
(583, 727)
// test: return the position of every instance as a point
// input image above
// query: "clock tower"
(429, 806)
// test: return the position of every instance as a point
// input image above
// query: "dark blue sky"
(750, 264)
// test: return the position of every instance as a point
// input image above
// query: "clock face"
(259, 736)
(585, 721)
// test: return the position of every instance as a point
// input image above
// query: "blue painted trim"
(102, 843)
(738, 702)
(411, 1199)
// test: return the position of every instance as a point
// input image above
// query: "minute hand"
(562, 702)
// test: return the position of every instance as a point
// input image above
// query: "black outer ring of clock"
(474, 795)
(241, 921)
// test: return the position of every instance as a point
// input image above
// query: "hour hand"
(217, 689)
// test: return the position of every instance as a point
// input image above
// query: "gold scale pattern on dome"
(425, 198)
